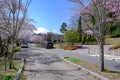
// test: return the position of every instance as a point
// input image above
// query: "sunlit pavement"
(43, 64)
(92, 50)
(110, 63)
(110, 57)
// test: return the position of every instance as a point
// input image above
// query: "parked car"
(24, 45)
(48, 44)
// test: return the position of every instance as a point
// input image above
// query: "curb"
(99, 77)
(20, 70)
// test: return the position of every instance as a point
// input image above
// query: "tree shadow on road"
(60, 72)
(117, 66)
(45, 59)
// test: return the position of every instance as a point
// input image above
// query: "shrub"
(83, 38)
(88, 39)
(71, 36)
(1, 77)
(9, 77)
(116, 32)
(16, 49)
(41, 44)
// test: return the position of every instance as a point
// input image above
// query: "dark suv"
(48, 44)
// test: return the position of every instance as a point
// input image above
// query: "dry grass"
(58, 46)
(22, 77)
(114, 47)
(114, 41)
(11, 72)
(112, 75)
(70, 47)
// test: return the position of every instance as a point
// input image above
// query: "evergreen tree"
(79, 28)
(63, 27)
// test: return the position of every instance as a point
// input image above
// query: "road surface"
(109, 64)
(44, 64)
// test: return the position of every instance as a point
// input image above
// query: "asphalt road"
(44, 64)
(109, 64)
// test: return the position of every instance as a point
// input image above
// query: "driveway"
(44, 64)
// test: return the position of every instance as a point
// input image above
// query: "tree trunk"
(5, 61)
(11, 64)
(101, 53)
(10, 61)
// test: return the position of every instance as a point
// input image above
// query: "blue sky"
(50, 14)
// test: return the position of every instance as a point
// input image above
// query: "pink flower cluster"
(36, 38)
(111, 6)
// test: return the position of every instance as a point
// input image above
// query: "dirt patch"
(72, 47)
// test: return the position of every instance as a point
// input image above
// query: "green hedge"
(88, 39)
(7, 77)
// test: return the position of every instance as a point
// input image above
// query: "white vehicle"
(24, 45)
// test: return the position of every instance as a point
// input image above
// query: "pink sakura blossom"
(111, 6)
(36, 38)
(108, 20)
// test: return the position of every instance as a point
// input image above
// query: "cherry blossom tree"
(96, 15)
(13, 14)
(26, 30)
(113, 17)
(36, 38)
(93, 16)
